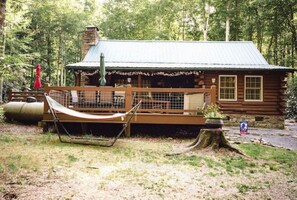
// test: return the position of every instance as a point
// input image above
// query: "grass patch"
(1, 113)
(72, 158)
(6, 139)
(157, 186)
(12, 166)
(275, 157)
(142, 164)
(243, 188)
(1, 168)
(238, 162)
(193, 160)
(47, 138)
(16, 162)
(124, 173)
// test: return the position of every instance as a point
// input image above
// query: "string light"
(172, 74)
(179, 73)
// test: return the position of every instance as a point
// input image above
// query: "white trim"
(261, 92)
(235, 95)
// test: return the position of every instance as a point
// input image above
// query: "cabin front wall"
(268, 112)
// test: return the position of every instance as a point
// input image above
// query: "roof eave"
(181, 67)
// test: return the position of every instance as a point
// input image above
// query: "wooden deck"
(159, 105)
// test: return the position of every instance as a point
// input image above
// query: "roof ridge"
(173, 41)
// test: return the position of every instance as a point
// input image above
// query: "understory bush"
(292, 99)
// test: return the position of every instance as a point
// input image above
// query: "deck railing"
(23, 95)
(185, 101)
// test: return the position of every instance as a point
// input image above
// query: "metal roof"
(174, 55)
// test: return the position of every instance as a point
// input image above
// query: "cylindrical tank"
(23, 111)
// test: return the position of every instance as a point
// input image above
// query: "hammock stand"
(55, 107)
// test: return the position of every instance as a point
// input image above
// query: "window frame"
(235, 89)
(261, 89)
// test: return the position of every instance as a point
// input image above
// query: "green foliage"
(269, 24)
(282, 157)
(6, 139)
(238, 162)
(292, 99)
(243, 188)
(45, 32)
(213, 111)
(49, 32)
(72, 158)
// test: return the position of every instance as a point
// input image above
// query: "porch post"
(9, 94)
(128, 130)
(213, 94)
(129, 101)
(45, 108)
(139, 80)
(128, 106)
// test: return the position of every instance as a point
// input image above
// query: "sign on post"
(243, 127)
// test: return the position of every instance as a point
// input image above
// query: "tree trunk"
(227, 20)
(206, 14)
(236, 22)
(1, 89)
(2, 43)
(210, 139)
(294, 34)
(2, 12)
(49, 54)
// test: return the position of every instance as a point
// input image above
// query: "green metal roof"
(175, 55)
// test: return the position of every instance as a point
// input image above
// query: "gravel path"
(286, 138)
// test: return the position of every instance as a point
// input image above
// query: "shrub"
(213, 111)
(291, 110)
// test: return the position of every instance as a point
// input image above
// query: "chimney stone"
(90, 37)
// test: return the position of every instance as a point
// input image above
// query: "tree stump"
(210, 138)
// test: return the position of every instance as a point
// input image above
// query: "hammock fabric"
(55, 107)
(62, 109)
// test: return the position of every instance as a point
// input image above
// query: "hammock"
(55, 107)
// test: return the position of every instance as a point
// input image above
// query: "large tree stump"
(210, 138)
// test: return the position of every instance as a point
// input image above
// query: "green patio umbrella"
(102, 79)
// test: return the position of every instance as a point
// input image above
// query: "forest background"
(49, 32)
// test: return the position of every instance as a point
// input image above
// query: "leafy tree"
(18, 55)
(292, 99)
(2, 18)
(49, 32)
(57, 25)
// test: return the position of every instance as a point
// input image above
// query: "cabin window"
(253, 88)
(228, 87)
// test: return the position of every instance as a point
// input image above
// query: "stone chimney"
(90, 37)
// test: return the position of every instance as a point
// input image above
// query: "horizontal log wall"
(274, 97)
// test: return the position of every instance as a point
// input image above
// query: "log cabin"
(177, 79)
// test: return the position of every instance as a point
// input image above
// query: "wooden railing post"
(9, 94)
(46, 90)
(128, 106)
(129, 99)
(213, 94)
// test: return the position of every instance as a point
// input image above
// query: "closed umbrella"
(102, 79)
(37, 83)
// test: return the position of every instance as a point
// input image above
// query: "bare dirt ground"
(37, 166)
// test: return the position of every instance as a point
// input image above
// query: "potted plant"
(214, 118)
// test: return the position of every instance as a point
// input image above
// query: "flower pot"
(214, 123)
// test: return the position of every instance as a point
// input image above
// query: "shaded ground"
(37, 166)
